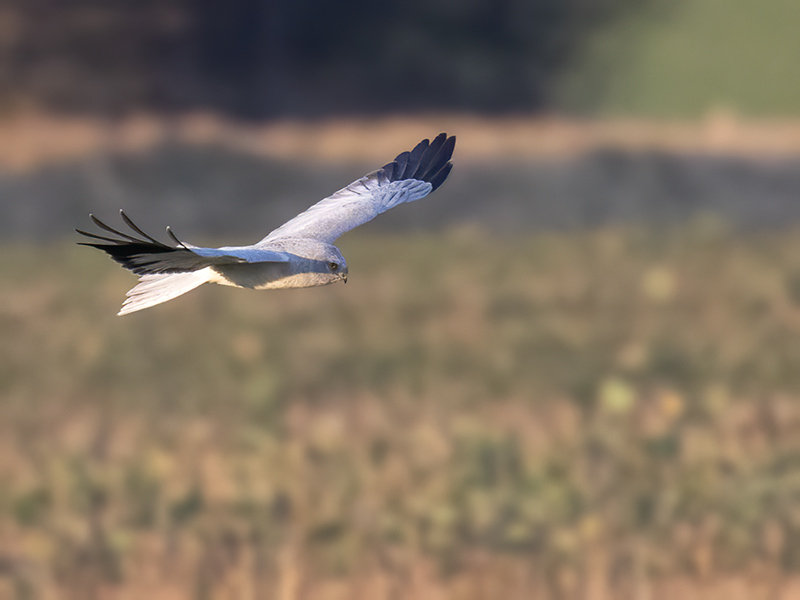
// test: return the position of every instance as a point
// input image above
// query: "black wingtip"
(442, 156)
(175, 239)
(426, 162)
(438, 179)
(402, 161)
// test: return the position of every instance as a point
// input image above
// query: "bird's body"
(299, 253)
(309, 265)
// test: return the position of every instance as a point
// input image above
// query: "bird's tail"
(157, 288)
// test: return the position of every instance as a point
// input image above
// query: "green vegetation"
(470, 417)
(650, 58)
(684, 59)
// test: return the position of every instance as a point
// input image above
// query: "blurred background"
(570, 373)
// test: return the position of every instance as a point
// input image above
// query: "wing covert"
(412, 175)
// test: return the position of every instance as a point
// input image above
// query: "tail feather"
(156, 288)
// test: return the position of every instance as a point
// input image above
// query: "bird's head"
(335, 264)
(323, 263)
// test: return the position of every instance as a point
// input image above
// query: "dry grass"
(605, 415)
(31, 139)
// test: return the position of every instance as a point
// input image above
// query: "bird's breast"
(300, 280)
(268, 276)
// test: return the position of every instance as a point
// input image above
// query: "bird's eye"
(333, 266)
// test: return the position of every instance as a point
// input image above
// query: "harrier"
(299, 253)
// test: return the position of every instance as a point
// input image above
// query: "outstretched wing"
(410, 176)
(145, 255)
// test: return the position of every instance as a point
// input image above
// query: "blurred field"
(570, 374)
(589, 415)
(33, 139)
(206, 175)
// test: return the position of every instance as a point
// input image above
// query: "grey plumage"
(299, 253)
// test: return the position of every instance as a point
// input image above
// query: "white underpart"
(158, 288)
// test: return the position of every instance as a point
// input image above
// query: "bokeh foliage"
(253, 58)
(306, 57)
(690, 58)
(616, 408)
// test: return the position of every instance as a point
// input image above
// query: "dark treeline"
(291, 57)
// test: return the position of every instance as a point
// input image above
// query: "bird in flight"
(299, 253)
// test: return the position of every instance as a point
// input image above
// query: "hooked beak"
(344, 277)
